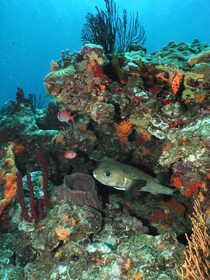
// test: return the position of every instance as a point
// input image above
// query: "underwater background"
(104, 140)
(32, 32)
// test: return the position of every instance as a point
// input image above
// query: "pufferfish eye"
(107, 174)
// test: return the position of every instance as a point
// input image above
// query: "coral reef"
(7, 177)
(182, 55)
(123, 129)
(72, 238)
(188, 156)
(150, 111)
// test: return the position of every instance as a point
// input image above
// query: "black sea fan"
(111, 31)
(129, 32)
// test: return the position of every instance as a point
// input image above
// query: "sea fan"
(109, 30)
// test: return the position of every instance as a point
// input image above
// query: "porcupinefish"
(126, 177)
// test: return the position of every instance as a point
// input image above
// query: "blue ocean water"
(33, 32)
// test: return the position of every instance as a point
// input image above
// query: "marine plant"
(33, 100)
(197, 256)
(112, 31)
(36, 206)
(37, 101)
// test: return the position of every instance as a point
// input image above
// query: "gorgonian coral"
(113, 32)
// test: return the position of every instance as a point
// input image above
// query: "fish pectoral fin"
(135, 187)
(136, 184)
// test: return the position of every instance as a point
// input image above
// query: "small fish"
(65, 116)
(70, 154)
(126, 177)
